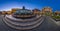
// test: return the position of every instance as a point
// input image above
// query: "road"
(47, 25)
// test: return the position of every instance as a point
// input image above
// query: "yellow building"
(47, 11)
(14, 10)
(4, 12)
(9, 12)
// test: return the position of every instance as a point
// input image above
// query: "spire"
(23, 7)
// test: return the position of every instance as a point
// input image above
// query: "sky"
(29, 4)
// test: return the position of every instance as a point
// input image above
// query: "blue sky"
(29, 4)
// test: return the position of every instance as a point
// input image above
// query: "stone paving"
(47, 25)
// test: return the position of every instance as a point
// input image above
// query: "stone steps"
(32, 19)
(23, 25)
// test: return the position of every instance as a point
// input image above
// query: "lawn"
(56, 17)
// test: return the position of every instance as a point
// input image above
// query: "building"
(36, 11)
(57, 13)
(0, 12)
(23, 13)
(4, 12)
(47, 11)
(14, 9)
(9, 12)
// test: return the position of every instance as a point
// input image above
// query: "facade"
(23, 13)
(14, 9)
(36, 11)
(44, 11)
(4, 12)
(0, 12)
(47, 11)
(57, 13)
(9, 12)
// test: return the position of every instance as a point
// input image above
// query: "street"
(47, 25)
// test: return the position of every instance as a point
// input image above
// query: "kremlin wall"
(44, 11)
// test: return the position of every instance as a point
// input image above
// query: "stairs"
(23, 24)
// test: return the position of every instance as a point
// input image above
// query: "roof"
(36, 10)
